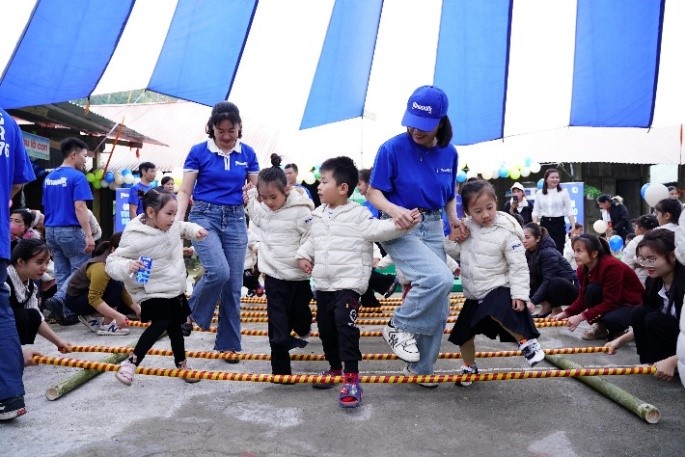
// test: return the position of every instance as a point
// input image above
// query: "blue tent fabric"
(474, 76)
(64, 51)
(615, 74)
(339, 88)
(613, 58)
(202, 51)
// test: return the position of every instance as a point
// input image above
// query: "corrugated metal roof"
(180, 125)
(76, 118)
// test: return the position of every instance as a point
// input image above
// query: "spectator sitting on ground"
(20, 224)
(642, 225)
(667, 212)
(578, 229)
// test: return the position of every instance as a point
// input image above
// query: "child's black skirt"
(476, 318)
(173, 309)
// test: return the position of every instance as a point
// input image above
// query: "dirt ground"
(161, 416)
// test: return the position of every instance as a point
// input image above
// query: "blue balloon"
(643, 189)
(541, 181)
(461, 176)
(109, 177)
(125, 172)
(616, 243)
(527, 162)
(503, 173)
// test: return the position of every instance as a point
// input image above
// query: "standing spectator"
(518, 204)
(15, 171)
(577, 230)
(667, 212)
(552, 205)
(291, 174)
(416, 170)
(673, 192)
(618, 215)
(215, 172)
(609, 290)
(147, 171)
(642, 225)
(363, 187)
(67, 227)
(168, 183)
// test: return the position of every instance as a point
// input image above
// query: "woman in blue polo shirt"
(214, 174)
(417, 169)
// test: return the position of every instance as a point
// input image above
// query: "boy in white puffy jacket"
(495, 278)
(338, 254)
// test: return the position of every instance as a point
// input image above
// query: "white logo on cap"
(428, 109)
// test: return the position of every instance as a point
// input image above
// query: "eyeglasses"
(647, 261)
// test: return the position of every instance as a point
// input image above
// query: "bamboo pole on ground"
(78, 379)
(647, 412)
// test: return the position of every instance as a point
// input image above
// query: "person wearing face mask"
(519, 204)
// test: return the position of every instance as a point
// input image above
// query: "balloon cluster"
(99, 179)
(513, 170)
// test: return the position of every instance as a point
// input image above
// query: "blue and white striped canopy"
(509, 67)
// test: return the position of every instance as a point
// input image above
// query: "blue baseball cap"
(426, 106)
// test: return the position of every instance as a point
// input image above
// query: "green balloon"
(97, 184)
(90, 177)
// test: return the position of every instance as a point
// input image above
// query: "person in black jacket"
(553, 283)
(618, 214)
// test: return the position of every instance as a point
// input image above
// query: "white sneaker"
(111, 329)
(126, 371)
(532, 352)
(402, 343)
(92, 322)
(408, 372)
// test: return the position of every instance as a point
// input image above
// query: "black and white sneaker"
(402, 343)
(532, 352)
(12, 407)
(467, 369)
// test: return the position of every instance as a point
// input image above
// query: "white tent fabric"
(281, 58)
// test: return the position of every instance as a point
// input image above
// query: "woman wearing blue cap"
(417, 170)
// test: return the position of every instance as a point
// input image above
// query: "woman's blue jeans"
(420, 256)
(222, 255)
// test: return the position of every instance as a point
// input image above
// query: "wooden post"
(647, 412)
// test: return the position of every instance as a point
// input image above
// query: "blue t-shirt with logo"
(412, 176)
(15, 168)
(61, 189)
(134, 199)
(220, 180)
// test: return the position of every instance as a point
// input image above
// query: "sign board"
(36, 146)
(121, 214)
(576, 190)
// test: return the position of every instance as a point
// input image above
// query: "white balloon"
(471, 174)
(118, 178)
(486, 174)
(128, 179)
(104, 184)
(655, 193)
(525, 172)
(599, 226)
(113, 185)
(136, 179)
(535, 167)
(308, 177)
(495, 173)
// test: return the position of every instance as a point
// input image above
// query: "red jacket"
(620, 287)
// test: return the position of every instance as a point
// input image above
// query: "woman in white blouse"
(552, 204)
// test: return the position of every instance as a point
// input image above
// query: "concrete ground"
(160, 416)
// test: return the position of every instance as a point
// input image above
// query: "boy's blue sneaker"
(351, 392)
